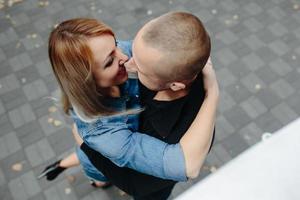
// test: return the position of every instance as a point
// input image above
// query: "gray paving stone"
(284, 113)
(238, 69)
(213, 160)
(223, 128)
(20, 61)
(221, 153)
(282, 88)
(251, 133)
(253, 42)
(2, 109)
(278, 29)
(44, 68)
(2, 178)
(253, 25)
(238, 92)
(226, 102)
(5, 193)
(226, 56)
(253, 8)
(280, 67)
(16, 158)
(279, 47)
(61, 140)
(267, 74)
(21, 115)
(39, 152)
(229, 5)
(293, 102)
(49, 127)
(58, 192)
(237, 117)
(29, 133)
(253, 61)
(266, 54)
(276, 12)
(8, 83)
(227, 37)
(24, 187)
(5, 125)
(268, 123)
(240, 49)
(253, 107)
(35, 90)
(225, 77)
(9, 144)
(253, 83)
(268, 98)
(293, 78)
(27, 75)
(235, 145)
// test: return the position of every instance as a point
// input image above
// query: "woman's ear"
(176, 86)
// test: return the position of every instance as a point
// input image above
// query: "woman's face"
(108, 69)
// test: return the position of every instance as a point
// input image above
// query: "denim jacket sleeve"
(138, 151)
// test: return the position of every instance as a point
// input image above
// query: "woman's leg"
(56, 168)
(70, 161)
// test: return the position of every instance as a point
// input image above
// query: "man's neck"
(170, 95)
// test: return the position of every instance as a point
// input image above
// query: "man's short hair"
(183, 41)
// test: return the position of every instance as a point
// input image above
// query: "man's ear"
(176, 86)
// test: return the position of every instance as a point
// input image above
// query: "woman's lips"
(122, 71)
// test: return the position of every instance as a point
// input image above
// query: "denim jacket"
(116, 137)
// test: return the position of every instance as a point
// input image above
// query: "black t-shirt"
(165, 120)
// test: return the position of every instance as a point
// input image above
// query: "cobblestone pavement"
(256, 52)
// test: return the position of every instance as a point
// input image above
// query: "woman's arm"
(196, 141)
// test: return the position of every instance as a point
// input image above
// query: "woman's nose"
(122, 57)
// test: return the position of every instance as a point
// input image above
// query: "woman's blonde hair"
(72, 61)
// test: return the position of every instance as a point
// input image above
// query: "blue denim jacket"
(116, 137)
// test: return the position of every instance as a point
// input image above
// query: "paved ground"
(256, 49)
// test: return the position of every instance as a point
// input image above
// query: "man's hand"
(210, 80)
(76, 135)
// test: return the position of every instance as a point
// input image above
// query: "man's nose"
(130, 65)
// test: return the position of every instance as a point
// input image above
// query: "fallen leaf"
(257, 86)
(50, 120)
(18, 45)
(235, 17)
(122, 193)
(57, 123)
(213, 169)
(71, 178)
(52, 109)
(17, 167)
(214, 11)
(68, 190)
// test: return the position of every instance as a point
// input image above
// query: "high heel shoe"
(52, 171)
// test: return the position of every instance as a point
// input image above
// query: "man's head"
(169, 51)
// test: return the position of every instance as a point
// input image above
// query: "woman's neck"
(113, 91)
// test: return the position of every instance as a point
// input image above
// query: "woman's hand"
(76, 135)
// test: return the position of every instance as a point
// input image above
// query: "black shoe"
(106, 185)
(52, 171)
